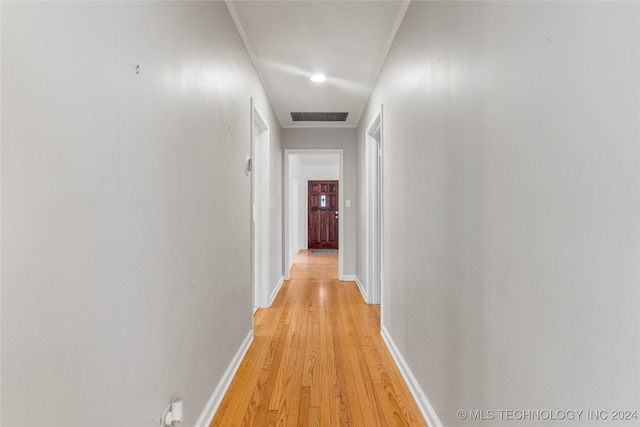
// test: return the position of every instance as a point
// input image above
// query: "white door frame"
(374, 236)
(259, 209)
(288, 222)
(294, 238)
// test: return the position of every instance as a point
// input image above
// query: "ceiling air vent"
(319, 117)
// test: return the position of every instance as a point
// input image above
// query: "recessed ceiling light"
(318, 78)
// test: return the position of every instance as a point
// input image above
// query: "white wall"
(125, 208)
(511, 204)
(334, 138)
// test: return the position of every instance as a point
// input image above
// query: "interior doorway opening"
(301, 166)
(259, 209)
(372, 290)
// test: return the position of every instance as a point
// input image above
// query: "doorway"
(299, 209)
(323, 214)
(374, 211)
(260, 209)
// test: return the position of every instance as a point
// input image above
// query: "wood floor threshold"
(318, 359)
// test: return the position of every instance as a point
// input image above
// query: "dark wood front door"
(323, 215)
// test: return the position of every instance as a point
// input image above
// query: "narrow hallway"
(318, 359)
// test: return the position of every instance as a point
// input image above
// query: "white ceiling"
(289, 41)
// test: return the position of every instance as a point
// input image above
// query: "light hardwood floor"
(318, 359)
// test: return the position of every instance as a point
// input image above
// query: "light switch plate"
(347, 203)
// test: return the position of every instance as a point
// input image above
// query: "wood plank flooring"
(318, 359)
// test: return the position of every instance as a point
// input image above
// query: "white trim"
(342, 188)
(374, 224)
(215, 400)
(260, 178)
(355, 278)
(361, 287)
(349, 278)
(274, 294)
(1, 216)
(428, 413)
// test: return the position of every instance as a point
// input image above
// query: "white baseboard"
(350, 278)
(215, 400)
(361, 287)
(428, 413)
(356, 279)
(274, 294)
(287, 274)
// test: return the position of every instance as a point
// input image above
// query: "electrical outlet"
(164, 415)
